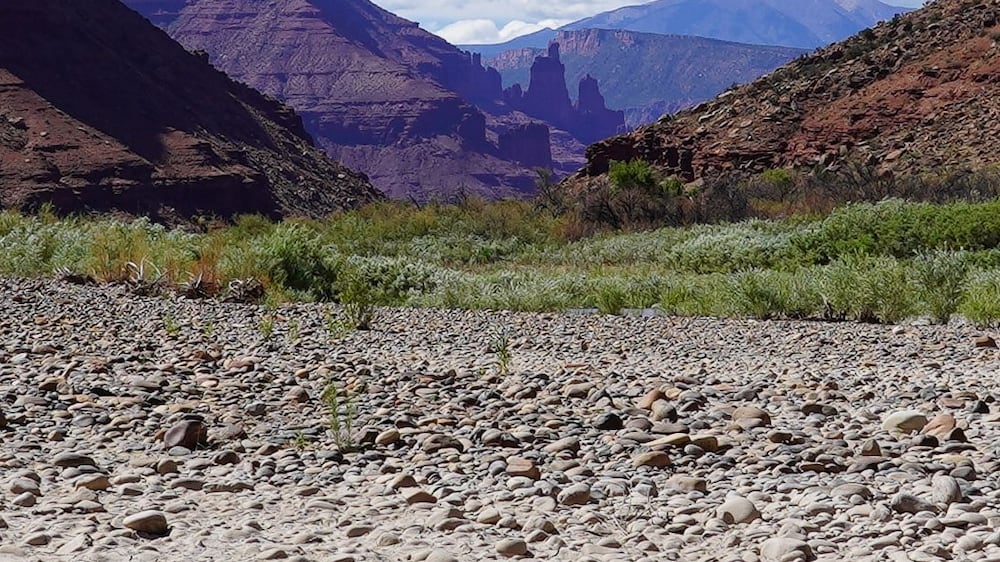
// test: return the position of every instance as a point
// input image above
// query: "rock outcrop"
(548, 98)
(917, 94)
(594, 120)
(378, 93)
(648, 75)
(528, 144)
(100, 111)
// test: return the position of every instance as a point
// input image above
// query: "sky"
(466, 22)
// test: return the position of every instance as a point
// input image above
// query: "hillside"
(915, 95)
(644, 72)
(423, 119)
(100, 111)
(805, 24)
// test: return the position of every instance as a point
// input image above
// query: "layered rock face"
(528, 144)
(914, 95)
(595, 121)
(101, 111)
(377, 92)
(547, 98)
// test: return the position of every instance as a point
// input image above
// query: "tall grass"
(881, 262)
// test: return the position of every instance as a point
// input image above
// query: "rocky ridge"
(100, 111)
(167, 429)
(913, 95)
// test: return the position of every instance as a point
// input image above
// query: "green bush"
(752, 293)
(867, 289)
(900, 229)
(940, 280)
(634, 174)
(292, 257)
(981, 299)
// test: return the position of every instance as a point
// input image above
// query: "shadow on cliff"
(70, 53)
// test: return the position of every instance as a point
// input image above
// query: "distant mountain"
(916, 95)
(420, 117)
(647, 74)
(793, 23)
(803, 24)
(100, 111)
(537, 40)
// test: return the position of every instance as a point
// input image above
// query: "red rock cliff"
(99, 110)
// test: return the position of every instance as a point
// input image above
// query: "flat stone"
(72, 459)
(417, 495)
(512, 547)
(26, 499)
(852, 489)
(387, 437)
(38, 539)
(677, 440)
(517, 466)
(150, 521)
(985, 342)
(358, 530)
(22, 485)
(570, 444)
(92, 482)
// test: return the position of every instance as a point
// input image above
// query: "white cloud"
(482, 31)
(437, 14)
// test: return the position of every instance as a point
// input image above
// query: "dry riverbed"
(158, 429)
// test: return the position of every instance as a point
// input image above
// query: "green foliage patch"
(871, 262)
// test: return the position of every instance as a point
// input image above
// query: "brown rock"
(655, 459)
(870, 448)
(708, 443)
(152, 522)
(517, 466)
(188, 434)
(940, 425)
(650, 398)
(986, 342)
(417, 495)
(688, 484)
(751, 416)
